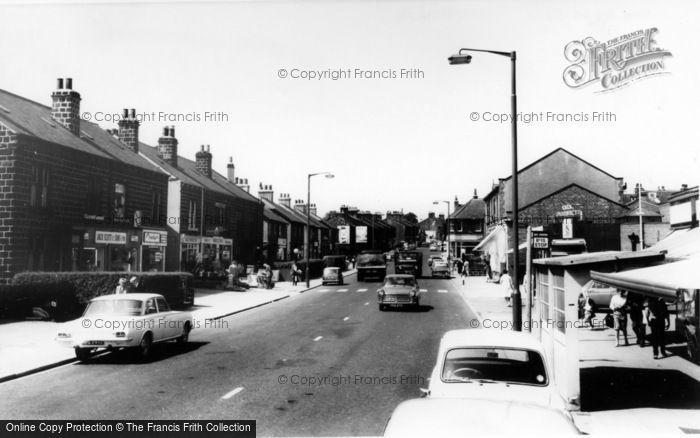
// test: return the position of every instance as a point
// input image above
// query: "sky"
(264, 71)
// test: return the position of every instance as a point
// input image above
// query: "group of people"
(130, 286)
(642, 312)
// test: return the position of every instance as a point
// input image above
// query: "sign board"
(281, 241)
(567, 228)
(343, 234)
(158, 238)
(110, 238)
(361, 234)
(540, 240)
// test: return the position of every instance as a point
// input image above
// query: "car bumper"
(97, 343)
(398, 300)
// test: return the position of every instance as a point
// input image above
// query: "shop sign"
(190, 239)
(281, 241)
(228, 242)
(110, 238)
(540, 240)
(159, 238)
(208, 240)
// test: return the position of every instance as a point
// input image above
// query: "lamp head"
(460, 59)
(330, 176)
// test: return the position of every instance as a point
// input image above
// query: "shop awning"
(680, 244)
(663, 280)
(496, 232)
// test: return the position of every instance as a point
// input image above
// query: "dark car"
(338, 261)
(399, 290)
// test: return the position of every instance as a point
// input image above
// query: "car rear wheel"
(382, 307)
(145, 346)
(82, 353)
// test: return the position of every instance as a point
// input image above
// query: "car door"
(152, 319)
(168, 319)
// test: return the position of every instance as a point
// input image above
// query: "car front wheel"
(82, 353)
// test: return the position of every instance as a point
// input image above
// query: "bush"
(73, 290)
(17, 301)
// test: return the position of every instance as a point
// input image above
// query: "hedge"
(71, 291)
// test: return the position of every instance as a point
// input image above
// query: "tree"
(411, 217)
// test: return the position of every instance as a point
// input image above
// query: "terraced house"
(71, 194)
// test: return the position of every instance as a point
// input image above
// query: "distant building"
(433, 228)
(467, 226)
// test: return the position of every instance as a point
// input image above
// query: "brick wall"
(653, 232)
(8, 147)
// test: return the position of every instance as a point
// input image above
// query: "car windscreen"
(370, 260)
(114, 307)
(408, 256)
(400, 281)
(510, 365)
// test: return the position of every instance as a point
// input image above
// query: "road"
(326, 362)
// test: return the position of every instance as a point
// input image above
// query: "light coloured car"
(433, 259)
(399, 290)
(493, 365)
(449, 417)
(599, 293)
(332, 275)
(133, 320)
(440, 268)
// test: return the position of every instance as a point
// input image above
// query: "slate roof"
(33, 119)
(648, 209)
(474, 209)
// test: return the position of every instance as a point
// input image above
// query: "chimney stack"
(313, 210)
(456, 203)
(203, 161)
(129, 130)
(65, 108)
(230, 170)
(266, 192)
(475, 195)
(300, 206)
(167, 146)
(285, 200)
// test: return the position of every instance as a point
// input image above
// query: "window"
(119, 210)
(543, 293)
(558, 300)
(94, 195)
(162, 305)
(39, 187)
(219, 213)
(155, 207)
(494, 363)
(192, 216)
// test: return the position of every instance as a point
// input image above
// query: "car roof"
(435, 416)
(489, 338)
(399, 276)
(128, 296)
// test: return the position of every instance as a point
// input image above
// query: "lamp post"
(447, 227)
(308, 220)
(463, 58)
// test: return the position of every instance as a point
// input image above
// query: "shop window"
(192, 216)
(39, 187)
(120, 258)
(119, 210)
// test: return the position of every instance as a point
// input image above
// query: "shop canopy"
(664, 280)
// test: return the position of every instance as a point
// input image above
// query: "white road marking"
(367, 303)
(318, 338)
(342, 290)
(378, 290)
(362, 290)
(346, 318)
(424, 290)
(232, 393)
(324, 290)
(442, 291)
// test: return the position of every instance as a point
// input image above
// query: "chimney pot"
(59, 85)
(69, 83)
(165, 131)
(125, 114)
(133, 113)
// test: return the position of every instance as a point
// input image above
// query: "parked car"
(332, 275)
(440, 268)
(132, 320)
(433, 247)
(399, 290)
(449, 417)
(599, 293)
(493, 365)
(433, 258)
(338, 261)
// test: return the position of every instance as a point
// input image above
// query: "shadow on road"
(613, 388)
(413, 309)
(159, 352)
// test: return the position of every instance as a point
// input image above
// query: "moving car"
(332, 275)
(371, 265)
(133, 320)
(433, 247)
(399, 290)
(449, 417)
(433, 258)
(440, 268)
(493, 365)
(599, 293)
(409, 262)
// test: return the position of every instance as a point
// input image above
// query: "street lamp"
(463, 58)
(447, 227)
(308, 219)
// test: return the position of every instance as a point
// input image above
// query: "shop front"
(205, 256)
(153, 250)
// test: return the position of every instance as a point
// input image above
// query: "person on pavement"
(618, 305)
(659, 321)
(507, 285)
(636, 306)
(296, 273)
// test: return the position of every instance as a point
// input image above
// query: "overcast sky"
(393, 143)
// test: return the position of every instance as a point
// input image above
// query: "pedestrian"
(581, 305)
(133, 285)
(489, 273)
(618, 305)
(636, 306)
(465, 268)
(232, 274)
(507, 285)
(589, 313)
(659, 321)
(121, 286)
(296, 273)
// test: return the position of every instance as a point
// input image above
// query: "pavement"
(28, 347)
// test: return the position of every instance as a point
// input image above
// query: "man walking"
(659, 321)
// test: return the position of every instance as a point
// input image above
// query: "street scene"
(293, 218)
